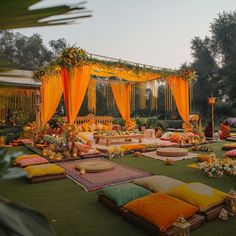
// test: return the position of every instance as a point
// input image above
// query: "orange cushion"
(160, 209)
(85, 127)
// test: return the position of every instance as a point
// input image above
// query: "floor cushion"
(229, 146)
(21, 157)
(95, 166)
(158, 183)
(172, 152)
(130, 147)
(44, 169)
(81, 147)
(124, 193)
(160, 209)
(32, 161)
(231, 153)
(200, 195)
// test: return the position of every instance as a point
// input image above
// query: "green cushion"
(124, 193)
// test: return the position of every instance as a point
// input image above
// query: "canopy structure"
(75, 71)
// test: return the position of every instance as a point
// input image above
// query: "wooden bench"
(84, 119)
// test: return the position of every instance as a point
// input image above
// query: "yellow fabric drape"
(75, 85)
(51, 91)
(179, 89)
(122, 95)
(103, 71)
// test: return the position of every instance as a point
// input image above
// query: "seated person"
(224, 131)
(208, 130)
(158, 132)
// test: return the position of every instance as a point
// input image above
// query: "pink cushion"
(231, 153)
(149, 133)
(32, 161)
(82, 147)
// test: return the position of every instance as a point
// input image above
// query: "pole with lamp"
(37, 106)
(211, 102)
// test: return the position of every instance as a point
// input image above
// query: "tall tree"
(205, 66)
(223, 31)
(22, 52)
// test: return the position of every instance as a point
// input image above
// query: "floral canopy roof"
(109, 68)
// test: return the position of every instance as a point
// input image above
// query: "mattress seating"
(44, 172)
(200, 209)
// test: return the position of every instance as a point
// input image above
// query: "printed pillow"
(158, 183)
(44, 169)
(85, 127)
(231, 153)
(160, 209)
(21, 157)
(32, 161)
(92, 127)
(82, 147)
(198, 194)
(99, 127)
(80, 128)
(124, 193)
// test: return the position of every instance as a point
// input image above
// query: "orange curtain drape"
(179, 89)
(51, 91)
(122, 95)
(75, 84)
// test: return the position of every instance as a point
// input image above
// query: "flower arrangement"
(194, 117)
(130, 125)
(217, 168)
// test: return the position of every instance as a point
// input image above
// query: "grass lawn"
(72, 211)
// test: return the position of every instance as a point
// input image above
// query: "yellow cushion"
(160, 209)
(44, 169)
(198, 194)
(22, 157)
(85, 127)
(105, 127)
(84, 137)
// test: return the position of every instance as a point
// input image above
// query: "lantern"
(2, 141)
(211, 102)
(231, 202)
(181, 227)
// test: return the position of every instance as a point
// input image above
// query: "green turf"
(72, 211)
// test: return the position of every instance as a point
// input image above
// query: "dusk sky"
(155, 32)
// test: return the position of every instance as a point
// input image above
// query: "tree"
(22, 52)
(205, 66)
(224, 45)
(57, 46)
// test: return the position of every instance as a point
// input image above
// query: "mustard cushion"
(198, 194)
(160, 209)
(44, 169)
(130, 147)
(158, 183)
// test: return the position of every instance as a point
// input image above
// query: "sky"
(153, 32)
